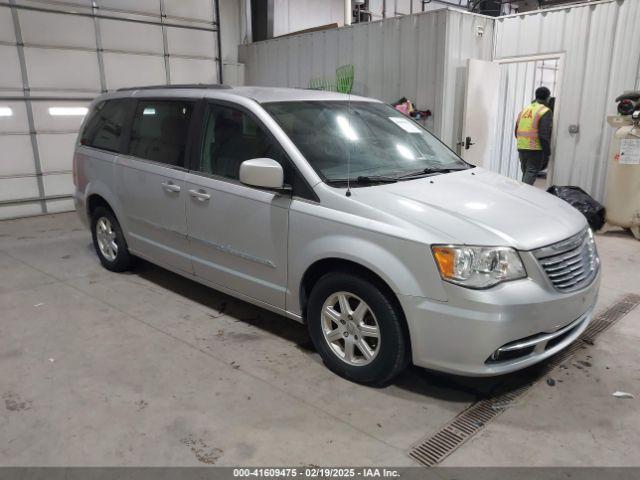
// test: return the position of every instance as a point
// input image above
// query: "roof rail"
(177, 86)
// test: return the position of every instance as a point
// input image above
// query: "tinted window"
(377, 139)
(104, 127)
(230, 138)
(159, 131)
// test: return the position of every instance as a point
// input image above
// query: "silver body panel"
(257, 244)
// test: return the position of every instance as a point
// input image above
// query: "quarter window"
(231, 137)
(159, 131)
(104, 127)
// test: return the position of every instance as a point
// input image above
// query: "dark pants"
(531, 162)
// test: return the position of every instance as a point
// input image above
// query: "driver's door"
(238, 234)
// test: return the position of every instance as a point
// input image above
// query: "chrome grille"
(571, 264)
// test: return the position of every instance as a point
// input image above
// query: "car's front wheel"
(109, 242)
(357, 329)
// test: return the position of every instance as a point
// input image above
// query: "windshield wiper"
(364, 179)
(375, 179)
(428, 171)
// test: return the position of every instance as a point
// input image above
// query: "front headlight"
(478, 267)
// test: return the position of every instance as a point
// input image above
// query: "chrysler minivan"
(342, 213)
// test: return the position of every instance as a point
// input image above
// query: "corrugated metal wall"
(602, 59)
(421, 57)
(62, 54)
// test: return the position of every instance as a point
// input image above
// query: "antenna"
(348, 194)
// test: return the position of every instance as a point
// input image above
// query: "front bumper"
(499, 330)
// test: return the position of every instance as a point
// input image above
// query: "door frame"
(560, 56)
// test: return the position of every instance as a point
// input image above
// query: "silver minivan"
(342, 213)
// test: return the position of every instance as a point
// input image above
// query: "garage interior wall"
(601, 61)
(421, 57)
(424, 58)
(57, 56)
(294, 15)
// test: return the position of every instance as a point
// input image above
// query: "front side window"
(342, 140)
(159, 131)
(104, 128)
(231, 137)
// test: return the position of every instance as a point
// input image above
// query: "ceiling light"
(68, 111)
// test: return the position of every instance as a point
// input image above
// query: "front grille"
(571, 264)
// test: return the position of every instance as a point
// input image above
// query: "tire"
(388, 353)
(115, 258)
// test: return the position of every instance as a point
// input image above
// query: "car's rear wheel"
(357, 329)
(109, 242)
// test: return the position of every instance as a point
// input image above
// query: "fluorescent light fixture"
(5, 112)
(68, 111)
(149, 111)
(348, 132)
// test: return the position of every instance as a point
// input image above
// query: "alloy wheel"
(107, 239)
(350, 328)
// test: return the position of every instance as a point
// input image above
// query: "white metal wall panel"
(18, 188)
(17, 121)
(188, 70)
(144, 6)
(295, 15)
(53, 69)
(195, 43)
(20, 209)
(117, 35)
(58, 184)
(601, 61)
(193, 9)
(14, 149)
(10, 78)
(6, 26)
(60, 205)
(123, 70)
(56, 151)
(516, 86)
(56, 30)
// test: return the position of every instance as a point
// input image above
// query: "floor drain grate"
(437, 447)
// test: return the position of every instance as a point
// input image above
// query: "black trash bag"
(581, 200)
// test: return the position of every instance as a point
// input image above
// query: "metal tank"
(622, 197)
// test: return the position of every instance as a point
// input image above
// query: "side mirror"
(263, 173)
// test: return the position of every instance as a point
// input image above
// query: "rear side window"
(105, 126)
(159, 131)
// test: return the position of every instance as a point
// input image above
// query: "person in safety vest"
(533, 134)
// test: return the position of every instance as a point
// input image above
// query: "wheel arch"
(336, 264)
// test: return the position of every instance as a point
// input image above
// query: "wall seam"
(165, 43)
(28, 106)
(99, 49)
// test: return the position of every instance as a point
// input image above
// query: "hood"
(477, 207)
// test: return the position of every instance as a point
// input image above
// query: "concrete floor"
(148, 368)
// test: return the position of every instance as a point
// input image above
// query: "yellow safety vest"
(527, 129)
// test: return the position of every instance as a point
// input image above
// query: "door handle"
(170, 187)
(466, 143)
(200, 195)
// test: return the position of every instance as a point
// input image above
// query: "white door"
(480, 111)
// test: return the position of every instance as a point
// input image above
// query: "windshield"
(377, 139)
